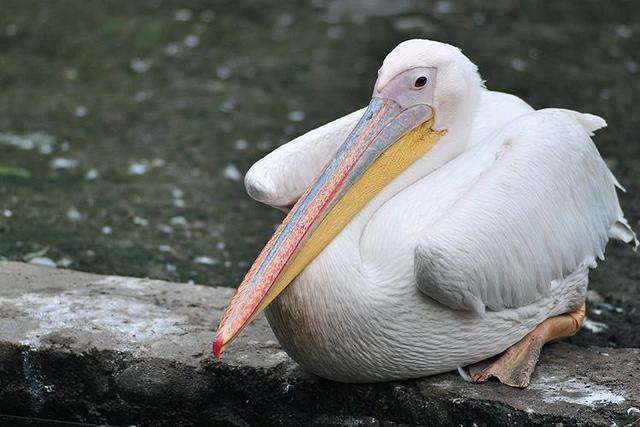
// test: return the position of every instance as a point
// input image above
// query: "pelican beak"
(387, 139)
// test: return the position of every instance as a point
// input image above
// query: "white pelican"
(436, 228)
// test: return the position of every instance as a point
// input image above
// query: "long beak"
(386, 141)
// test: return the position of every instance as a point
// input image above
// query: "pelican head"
(424, 88)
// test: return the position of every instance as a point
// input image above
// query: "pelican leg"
(516, 365)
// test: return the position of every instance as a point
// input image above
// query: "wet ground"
(126, 127)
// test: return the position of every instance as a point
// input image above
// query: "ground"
(124, 351)
(126, 127)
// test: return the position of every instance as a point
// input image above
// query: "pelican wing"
(545, 206)
(281, 177)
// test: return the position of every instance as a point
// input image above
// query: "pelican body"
(433, 229)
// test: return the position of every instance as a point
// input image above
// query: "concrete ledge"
(104, 349)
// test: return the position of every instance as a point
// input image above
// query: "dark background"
(126, 127)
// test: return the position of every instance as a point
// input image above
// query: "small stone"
(140, 221)
(231, 172)
(106, 230)
(177, 193)
(71, 74)
(80, 111)
(140, 65)
(182, 15)
(7, 213)
(191, 40)
(172, 49)
(227, 106)
(204, 260)
(334, 32)
(633, 411)
(296, 116)
(178, 220)
(518, 64)
(166, 229)
(223, 72)
(179, 203)
(91, 174)
(623, 31)
(63, 163)
(164, 248)
(595, 327)
(138, 169)
(43, 261)
(444, 7)
(64, 262)
(73, 214)
(241, 145)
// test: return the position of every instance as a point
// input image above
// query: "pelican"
(439, 226)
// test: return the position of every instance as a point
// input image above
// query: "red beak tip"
(217, 346)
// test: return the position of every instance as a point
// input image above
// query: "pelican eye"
(420, 81)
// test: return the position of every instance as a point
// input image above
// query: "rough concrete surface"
(103, 349)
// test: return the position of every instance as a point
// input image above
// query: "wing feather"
(545, 206)
(281, 177)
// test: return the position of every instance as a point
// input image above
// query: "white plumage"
(465, 252)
